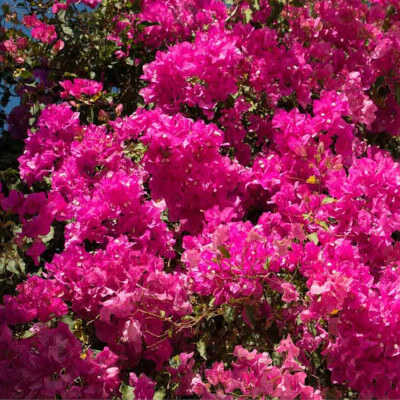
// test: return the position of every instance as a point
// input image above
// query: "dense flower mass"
(201, 199)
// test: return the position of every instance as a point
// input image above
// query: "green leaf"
(126, 392)
(11, 266)
(145, 24)
(67, 319)
(27, 334)
(276, 358)
(247, 15)
(202, 349)
(10, 260)
(323, 224)
(35, 108)
(67, 30)
(72, 75)
(61, 15)
(328, 200)
(49, 236)
(159, 394)
(267, 262)
(224, 251)
(313, 237)
(228, 313)
(175, 362)
(90, 115)
(26, 74)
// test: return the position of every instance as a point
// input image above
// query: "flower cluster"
(253, 375)
(56, 129)
(79, 87)
(136, 301)
(186, 168)
(223, 223)
(36, 213)
(40, 30)
(162, 23)
(174, 79)
(50, 362)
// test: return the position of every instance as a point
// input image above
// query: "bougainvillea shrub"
(200, 199)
